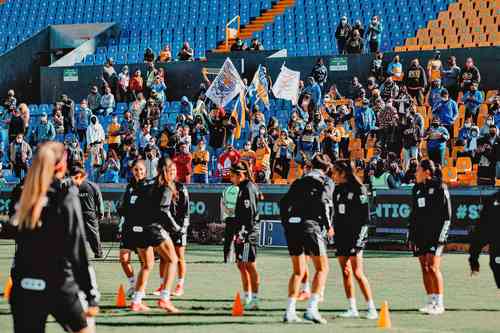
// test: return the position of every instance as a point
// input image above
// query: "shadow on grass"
(186, 323)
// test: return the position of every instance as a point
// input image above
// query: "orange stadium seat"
(451, 31)
(411, 41)
(484, 12)
(425, 40)
(467, 40)
(456, 150)
(488, 22)
(474, 21)
(450, 175)
(433, 24)
(443, 16)
(452, 41)
(464, 165)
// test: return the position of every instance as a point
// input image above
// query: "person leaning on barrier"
(487, 232)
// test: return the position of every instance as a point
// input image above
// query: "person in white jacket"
(95, 141)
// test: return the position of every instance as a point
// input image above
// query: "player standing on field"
(429, 224)
(306, 214)
(351, 219)
(487, 232)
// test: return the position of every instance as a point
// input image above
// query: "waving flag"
(258, 89)
(226, 85)
(287, 85)
(239, 113)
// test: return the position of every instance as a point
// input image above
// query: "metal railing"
(236, 18)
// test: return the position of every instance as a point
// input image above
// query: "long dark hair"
(346, 167)
(163, 166)
(435, 171)
(246, 170)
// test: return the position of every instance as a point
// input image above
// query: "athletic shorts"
(495, 268)
(144, 236)
(348, 251)
(245, 252)
(435, 250)
(310, 243)
(179, 238)
(30, 310)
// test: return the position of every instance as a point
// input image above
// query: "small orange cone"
(7, 289)
(120, 298)
(237, 306)
(384, 320)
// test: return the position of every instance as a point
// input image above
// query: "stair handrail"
(237, 17)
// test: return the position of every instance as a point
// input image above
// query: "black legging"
(229, 232)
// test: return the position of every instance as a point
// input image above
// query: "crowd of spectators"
(352, 39)
(379, 121)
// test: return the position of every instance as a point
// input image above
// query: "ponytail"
(346, 167)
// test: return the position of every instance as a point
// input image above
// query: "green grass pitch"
(473, 304)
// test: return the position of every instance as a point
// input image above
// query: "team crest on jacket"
(247, 203)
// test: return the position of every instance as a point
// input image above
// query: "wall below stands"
(184, 78)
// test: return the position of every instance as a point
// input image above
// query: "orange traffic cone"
(120, 298)
(384, 320)
(237, 306)
(7, 289)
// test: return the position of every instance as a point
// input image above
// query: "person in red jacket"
(229, 158)
(183, 161)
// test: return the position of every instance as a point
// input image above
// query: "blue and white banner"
(226, 85)
(287, 85)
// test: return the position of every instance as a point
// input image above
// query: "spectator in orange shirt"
(262, 168)
(165, 55)
(434, 67)
(183, 161)
(248, 155)
(114, 138)
(201, 157)
(136, 84)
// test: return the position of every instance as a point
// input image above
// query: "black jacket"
(246, 210)
(430, 215)
(91, 201)
(487, 231)
(55, 252)
(469, 75)
(320, 73)
(351, 215)
(137, 205)
(416, 77)
(173, 214)
(310, 200)
(343, 32)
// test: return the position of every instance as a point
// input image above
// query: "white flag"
(226, 85)
(287, 85)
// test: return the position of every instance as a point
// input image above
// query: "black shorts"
(435, 250)
(141, 237)
(179, 238)
(348, 251)
(495, 268)
(245, 252)
(311, 243)
(30, 310)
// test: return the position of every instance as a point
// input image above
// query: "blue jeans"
(201, 178)
(4, 139)
(214, 152)
(437, 155)
(408, 154)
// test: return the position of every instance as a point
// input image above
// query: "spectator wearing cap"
(365, 121)
(94, 100)
(283, 150)
(374, 34)
(389, 90)
(107, 102)
(472, 100)
(201, 159)
(436, 137)
(16, 125)
(434, 67)
(186, 53)
(44, 130)
(320, 73)
(447, 112)
(416, 81)
(395, 69)
(355, 43)
(381, 178)
(450, 76)
(123, 85)
(469, 75)
(342, 33)
(434, 96)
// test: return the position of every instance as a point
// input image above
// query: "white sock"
(180, 281)
(138, 296)
(371, 305)
(305, 287)
(165, 295)
(434, 299)
(131, 281)
(247, 295)
(313, 302)
(352, 304)
(291, 308)
(439, 300)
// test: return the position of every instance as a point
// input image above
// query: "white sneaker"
(314, 317)
(349, 314)
(253, 304)
(426, 308)
(291, 318)
(436, 310)
(372, 314)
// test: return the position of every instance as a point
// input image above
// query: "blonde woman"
(51, 267)
(25, 114)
